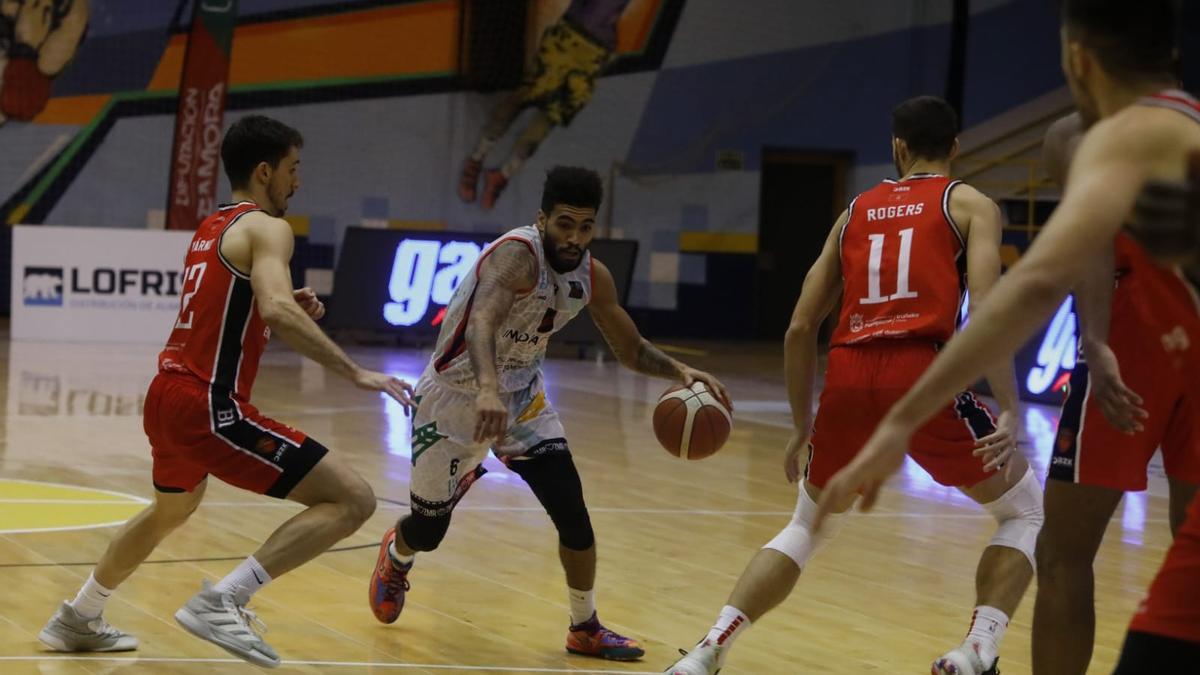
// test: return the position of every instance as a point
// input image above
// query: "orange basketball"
(690, 422)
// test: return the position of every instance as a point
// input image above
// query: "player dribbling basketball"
(483, 389)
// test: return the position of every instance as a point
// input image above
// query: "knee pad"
(555, 481)
(796, 541)
(1019, 512)
(424, 533)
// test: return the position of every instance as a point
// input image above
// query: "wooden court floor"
(890, 594)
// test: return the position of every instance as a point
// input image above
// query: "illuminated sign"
(399, 282)
(1056, 352)
(426, 272)
(1044, 364)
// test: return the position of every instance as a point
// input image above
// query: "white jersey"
(522, 336)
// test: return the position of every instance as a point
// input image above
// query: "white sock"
(987, 629)
(397, 558)
(729, 625)
(92, 596)
(583, 605)
(244, 581)
(481, 150)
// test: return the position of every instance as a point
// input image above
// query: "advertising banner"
(196, 152)
(90, 284)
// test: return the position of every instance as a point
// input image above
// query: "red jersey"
(218, 336)
(900, 252)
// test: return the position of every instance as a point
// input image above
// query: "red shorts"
(862, 383)
(1172, 609)
(194, 432)
(1090, 451)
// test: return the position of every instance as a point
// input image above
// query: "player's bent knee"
(555, 481)
(1020, 515)
(422, 532)
(797, 540)
(361, 502)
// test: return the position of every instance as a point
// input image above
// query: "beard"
(558, 261)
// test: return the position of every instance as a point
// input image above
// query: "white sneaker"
(217, 617)
(67, 631)
(964, 660)
(704, 659)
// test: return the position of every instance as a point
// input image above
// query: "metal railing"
(1031, 185)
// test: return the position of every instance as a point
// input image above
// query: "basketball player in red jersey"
(237, 290)
(1126, 400)
(1119, 60)
(895, 259)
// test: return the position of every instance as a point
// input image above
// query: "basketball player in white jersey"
(483, 389)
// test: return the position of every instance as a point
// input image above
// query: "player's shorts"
(446, 459)
(1090, 451)
(564, 72)
(1172, 608)
(862, 382)
(194, 432)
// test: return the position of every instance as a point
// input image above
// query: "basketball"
(690, 422)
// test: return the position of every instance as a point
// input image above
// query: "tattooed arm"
(510, 269)
(631, 349)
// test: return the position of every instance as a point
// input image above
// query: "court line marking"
(73, 501)
(334, 664)
(133, 498)
(66, 528)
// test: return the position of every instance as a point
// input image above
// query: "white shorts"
(446, 459)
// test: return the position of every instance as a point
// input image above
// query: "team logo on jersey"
(576, 290)
(856, 323)
(43, 286)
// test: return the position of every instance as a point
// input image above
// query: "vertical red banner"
(199, 119)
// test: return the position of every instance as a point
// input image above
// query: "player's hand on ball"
(395, 387)
(1120, 404)
(491, 417)
(691, 375)
(880, 458)
(995, 449)
(796, 457)
(307, 299)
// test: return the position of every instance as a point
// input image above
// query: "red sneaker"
(469, 179)
(592, 639)
(493, 184)
(389, 583)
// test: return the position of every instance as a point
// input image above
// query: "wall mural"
(38, 39)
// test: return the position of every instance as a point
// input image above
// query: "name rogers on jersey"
(901, 211)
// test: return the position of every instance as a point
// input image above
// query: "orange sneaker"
(389, 583)
(494, 183)
(592, 639)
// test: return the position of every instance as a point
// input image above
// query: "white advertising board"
(90, 284)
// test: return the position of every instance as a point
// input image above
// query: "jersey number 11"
(874, 296)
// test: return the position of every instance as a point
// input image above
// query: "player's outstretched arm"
(1093, 301)
(631, 349)
(271, 245)
(822, 286)
(508, 270)
(1113, 162)
(980, 219)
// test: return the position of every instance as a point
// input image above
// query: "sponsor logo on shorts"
(1066, 438)
(226, 417)
(1176, 340)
